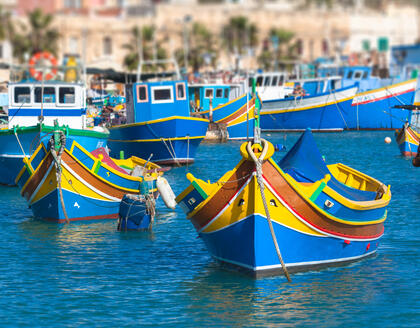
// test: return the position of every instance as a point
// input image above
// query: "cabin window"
(162, 95)
(219, 93)
(259, 81)
(66, 95)
(22, 95)
(267, 81)
(226, 93)
(281, 80)
(180, 91)
(47, 97)
(142, 94)
(349, 74)
(274, 81)
(357, 74)
(365, 74)
(209, 93)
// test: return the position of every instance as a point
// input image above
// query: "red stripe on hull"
(382, 98)
(85, 218)
(333, 233)
(409, 153)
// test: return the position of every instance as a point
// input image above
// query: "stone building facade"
(97, 30)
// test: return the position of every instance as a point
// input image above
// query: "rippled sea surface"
(94, 276)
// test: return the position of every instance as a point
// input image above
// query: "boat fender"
(166, 192)
(258, 148)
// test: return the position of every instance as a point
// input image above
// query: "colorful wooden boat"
(92, 184)
(321, 112)
(321, 214)
(408, 140)
(158, 123)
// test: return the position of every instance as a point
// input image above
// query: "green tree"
(150, 48)
(37, 36)
(238, 35)
(6, 26)
(282, 48)
(201, 44)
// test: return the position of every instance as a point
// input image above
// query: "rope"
(338, 108)
(258, 164)
(188, 150)
(57, 162)
(20, 145)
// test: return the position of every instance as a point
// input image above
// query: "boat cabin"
(147, 101)
(201, 95)
(53, 100)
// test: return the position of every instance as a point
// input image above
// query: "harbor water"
(91, 275)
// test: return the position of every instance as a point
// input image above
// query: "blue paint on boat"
(11, 153)
(246, 244)
(133, 215)
(78, 207)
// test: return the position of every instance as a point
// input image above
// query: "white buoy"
(166, 192)
(388, 140)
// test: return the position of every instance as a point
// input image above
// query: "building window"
(72, 4)
(180, 91)
(22, 95)
(107, 46)
(1, 51)
(67, 95)
(47, 97)
(142, 94)
(73, 45)
(162, 95)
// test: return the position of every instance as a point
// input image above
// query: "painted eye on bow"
(241, 202)
(273, 203)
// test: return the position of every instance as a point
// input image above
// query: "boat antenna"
(41, 117)
(247, 104)
(257, 130)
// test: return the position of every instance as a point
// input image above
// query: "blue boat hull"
(11, 155)
(171, 141)
(78, 207)
(248, 245)
(327, 117)
(380, 114)
(239, 131)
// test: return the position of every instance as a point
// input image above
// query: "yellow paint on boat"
(249, 201)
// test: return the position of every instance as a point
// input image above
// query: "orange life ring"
(41, 56)
(353, 59)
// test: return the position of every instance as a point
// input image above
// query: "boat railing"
(59, 73)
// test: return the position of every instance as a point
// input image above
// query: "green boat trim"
(51, 128)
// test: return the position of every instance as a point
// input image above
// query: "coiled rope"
(258, 163)
(58, 170)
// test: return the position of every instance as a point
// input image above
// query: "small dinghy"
(137, 212)
(300, 214)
